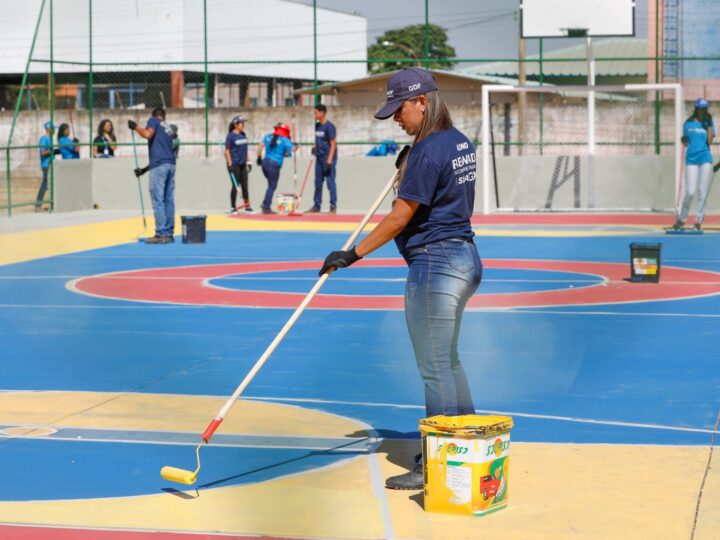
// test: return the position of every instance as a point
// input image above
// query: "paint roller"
(184, 476)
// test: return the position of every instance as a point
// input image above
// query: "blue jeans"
(441, 279)
(319, 176)
(162, 194)
(43, 188)
(271, 170)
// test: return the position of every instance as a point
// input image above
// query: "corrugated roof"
(609, 48)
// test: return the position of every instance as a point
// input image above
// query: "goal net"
(581, 148)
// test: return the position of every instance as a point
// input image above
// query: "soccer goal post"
(581, 148)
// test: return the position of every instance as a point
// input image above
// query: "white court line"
(507, 413)
(511, 311)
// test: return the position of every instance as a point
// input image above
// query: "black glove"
(328, 169)
(259, 161)
(57, 151)
(138, 172)
(684, 139)
(249, 166)
(716, 167)
(401, 156)
(132, 124)
(339, 259)
(230, 169)
(312, 151)
(75, 139)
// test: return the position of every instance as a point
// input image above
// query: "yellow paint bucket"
(466, 461)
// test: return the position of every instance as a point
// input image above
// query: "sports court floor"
(116, 354)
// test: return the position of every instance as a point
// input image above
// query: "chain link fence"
(92, 61)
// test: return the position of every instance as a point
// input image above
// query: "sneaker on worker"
(268, 211)
(233, 212)
(249, 210)
(410, 480)
(156, 240)
(333, 210)
(697, 226)
(678, 225)
(313, 210)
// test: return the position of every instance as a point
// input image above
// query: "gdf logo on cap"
(405, 84)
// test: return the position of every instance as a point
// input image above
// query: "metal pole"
(591, 123)
(485, 103)
(541, 97)
(90, 76)
(427, 34)
(657, 77)
(207, 84)
(52, 106)
(17, 106)
(315, 61)
(678, 146)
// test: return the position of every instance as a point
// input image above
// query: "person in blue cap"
(236, 157)
(698, 133)
(160, 136)
(430, 222)
(45, 147)
(277, 146)
(325, 151)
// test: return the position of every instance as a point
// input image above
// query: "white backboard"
(554, 18)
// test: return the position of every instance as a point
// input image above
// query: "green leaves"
(405, 47)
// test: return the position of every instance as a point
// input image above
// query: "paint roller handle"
(210, 429)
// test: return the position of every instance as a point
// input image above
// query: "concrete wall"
(621, 182)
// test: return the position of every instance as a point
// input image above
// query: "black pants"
(241, 175)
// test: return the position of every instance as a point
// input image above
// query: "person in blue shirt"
(45, 148)
(277, 146)
(698, 133)
(160, 136)
(325, 151)
(430, 222)
(236, 157)
(68, 147)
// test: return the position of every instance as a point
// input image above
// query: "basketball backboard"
(577, 18)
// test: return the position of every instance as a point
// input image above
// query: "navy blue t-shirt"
(237, 143)
(161, 143)
(440, 175)
(324, 133)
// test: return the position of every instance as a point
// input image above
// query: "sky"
(476, 28)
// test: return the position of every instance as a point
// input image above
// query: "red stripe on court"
(23, 532)
(190, 285)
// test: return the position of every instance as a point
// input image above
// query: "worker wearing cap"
(325, 150)
(430, 223)
(698, 133)
(236, 157)
(277, 146)
(46, 156)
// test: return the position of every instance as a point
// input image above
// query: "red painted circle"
(190, 285)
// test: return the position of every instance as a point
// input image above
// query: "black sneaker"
(697, 226)
(249, 209)
(678, 225)
(268, 211)
(333, 210)
(410, 480)
(313, 210)
(155, 240)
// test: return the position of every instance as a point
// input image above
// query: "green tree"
(409, 43)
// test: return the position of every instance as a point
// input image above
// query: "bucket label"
(644, 265)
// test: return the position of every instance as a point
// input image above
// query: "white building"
(269, 42)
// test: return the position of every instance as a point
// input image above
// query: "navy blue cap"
(49, 125)
(405, 84)
(238, 119)
(701, 103)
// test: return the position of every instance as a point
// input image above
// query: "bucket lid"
(469, 424)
